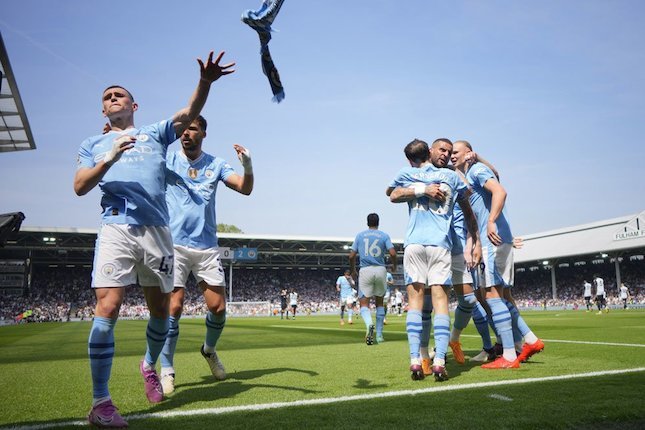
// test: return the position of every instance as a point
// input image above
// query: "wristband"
(419, 190)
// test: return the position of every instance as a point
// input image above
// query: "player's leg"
(380, 318)
(155, 274)
(465, 303)
(532, 344)
(441, 324)
(215, 297)
(183, 266)
(413, 327)
(342, 310)
(350, 310)
(101, 353)
(293, 310)
(210, 279)
(415, 265)
(113, 270)
(168, 351)
(492, 279)
(426, 327)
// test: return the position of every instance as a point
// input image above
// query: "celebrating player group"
(458, 236)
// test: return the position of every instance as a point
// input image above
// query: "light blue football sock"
(380, 317)
(522, 327)
(481, 323)
(413, 328)
(441, 334)
(101, 352)
(214, 327)
(367, 316)
(168, 350)
(156, 334)
(463, 313)
(502, 321)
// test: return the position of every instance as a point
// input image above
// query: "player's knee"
(218, 309)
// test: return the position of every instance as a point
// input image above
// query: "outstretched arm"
(209, 73)
(242, 184)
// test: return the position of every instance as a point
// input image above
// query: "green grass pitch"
(315, 374)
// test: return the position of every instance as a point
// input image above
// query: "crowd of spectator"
(63, 294)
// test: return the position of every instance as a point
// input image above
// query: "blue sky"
(552, 92)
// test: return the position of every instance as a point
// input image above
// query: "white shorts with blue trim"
(496, 267)
(127, 253)
(460, 273)
(204, 264)
(372, 281)
(428, 265)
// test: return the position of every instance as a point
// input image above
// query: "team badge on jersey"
(192, 173)
(142, 137)
(209, 174)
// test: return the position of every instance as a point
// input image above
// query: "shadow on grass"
(209, 391)
(364, 384)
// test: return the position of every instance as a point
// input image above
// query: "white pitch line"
(581, 342)
(329, 400)
(500, 397)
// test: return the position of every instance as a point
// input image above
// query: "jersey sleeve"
(388, 242)
(355, 244)
(226, 171)
(166, 130)
(480, 174)
(85, 158)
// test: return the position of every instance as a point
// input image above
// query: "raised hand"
(211, 70)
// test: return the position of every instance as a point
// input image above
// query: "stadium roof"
(613, 237)
(15, 134)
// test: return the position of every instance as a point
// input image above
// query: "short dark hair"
(442, 139)
(202, 122)
(123, 88)
(372, 220)
(417, 151)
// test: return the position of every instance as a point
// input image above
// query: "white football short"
(372, 281)
(348, 300)
(460, 273)
(429, 265)
(125, 253)
(496, 267)
(204, 264)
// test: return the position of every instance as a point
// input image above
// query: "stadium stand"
(45, 273)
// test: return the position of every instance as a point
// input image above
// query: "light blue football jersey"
(389, 278)
(429, 221)
(192, 186)
(371, 246)
(480, 200)
(133, 189)
(458, 230)
(345, 287)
